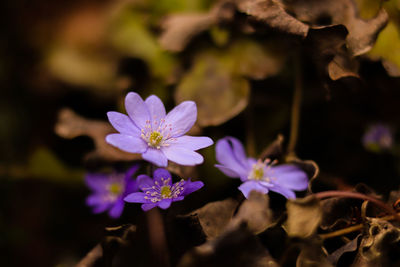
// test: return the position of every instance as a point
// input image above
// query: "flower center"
(115, 188)
(165, 191)
(156, 133)
(261, 171)
(257, 173)
(155, 139)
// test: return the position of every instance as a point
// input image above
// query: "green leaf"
(387, 48)
(130, 35)
(43, 164)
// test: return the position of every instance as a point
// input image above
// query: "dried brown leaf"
(234, 248)
(71, 125)
(304, 216)
(351, 246)
(380, 245)
(255, 212)
(217, 91)
(362, 33)
(342, 66)
(272, 13)
(215, 216)
(179, 29)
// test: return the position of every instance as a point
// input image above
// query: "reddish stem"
(379, 203)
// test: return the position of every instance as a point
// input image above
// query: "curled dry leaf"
(255, 212)
(311, 255)
(71, 125)
(234, 248)
(351, 246)
(304, 216)
(380, 245)
(342, 66)
(327, 45)
(273, 13)
(362, 33)
(215, 216)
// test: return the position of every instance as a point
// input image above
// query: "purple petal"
(127, 143)
(94, 200)
(130, 186)
(162, 173)
(156, 107)
(190, 187)
(178, 199)
(144, 182)
(227, 171)
(137, 109)
(123, 123)
(148, 206)
(289, 176)
(165, 203)
(182, 155)
(283, 191)
(249, 186)
(137, 197)
(182, 118)
(192, 142)
(156, 157)
(116, 211)
(131, 171)
(101, 208)
(231, 155)
(97, 182)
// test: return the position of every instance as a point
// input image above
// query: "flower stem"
(353, 228)
(295, 116)
(155, 223)
(250, 134)
(377, 202)
(91, 257)
(157, 237)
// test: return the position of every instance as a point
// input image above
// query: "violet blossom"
(160, 191)
(109, 191)
(158, 136)
(258, 175)
(378, 137)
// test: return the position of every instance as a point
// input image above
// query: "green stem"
(296, 106)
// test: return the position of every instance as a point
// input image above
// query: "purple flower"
(378, 137)
(109, 191)
(160, 191)
(158, 136)
(258, 175)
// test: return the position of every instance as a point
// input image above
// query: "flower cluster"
(109, 191)
(258, 175)
(158, 136)
(160, 191)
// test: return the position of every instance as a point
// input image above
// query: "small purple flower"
(378, 137)
(258, 175)
(109, 191)
(160, 191)
(158, 136)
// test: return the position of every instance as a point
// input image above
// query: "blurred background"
(64, 64)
